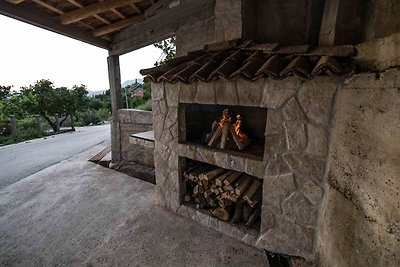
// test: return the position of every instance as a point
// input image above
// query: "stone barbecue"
(286, 103)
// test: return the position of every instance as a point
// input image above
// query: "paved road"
(21, 160)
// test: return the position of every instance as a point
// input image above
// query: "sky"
(29, 53)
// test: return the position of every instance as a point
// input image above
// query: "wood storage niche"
(231, 196)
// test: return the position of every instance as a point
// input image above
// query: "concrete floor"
(81, 214)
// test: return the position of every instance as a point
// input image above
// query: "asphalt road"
(21, 160)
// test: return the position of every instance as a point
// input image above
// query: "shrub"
(145, 106)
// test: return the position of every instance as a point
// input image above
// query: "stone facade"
(135, 121)
(294, 166)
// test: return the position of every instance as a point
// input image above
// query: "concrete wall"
(225, 24)
(361, 225)
(381, 19)
(135, 121)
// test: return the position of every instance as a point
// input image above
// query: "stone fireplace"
(289, 122)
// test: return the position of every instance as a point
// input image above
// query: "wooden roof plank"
(77, 4)
(93, 9)
(117, 25)
(45, 21)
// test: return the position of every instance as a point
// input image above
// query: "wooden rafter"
(96, 16)
(56, 10)
(135, 7)
(116, 12)
(49, 7)
(93, 9)
(117, 25)
(328, 23)
(42, 19)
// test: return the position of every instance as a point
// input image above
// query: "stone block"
(292, 111)
(267, 220)
(316, 98)
(317, 140)
(187, 92)
(276, 165)
(308, 188)
(271, 202)
(300, 209)
(275, 144)
(226, 92)
(172, 94)
(276, 93)
(280, 185)
(254, 167)
(274, 124)
(306, 165)
(205, 93)
(288, 238)
(157, 91)
(296, 135)
(250, 93)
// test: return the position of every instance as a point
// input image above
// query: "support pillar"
(114, 77)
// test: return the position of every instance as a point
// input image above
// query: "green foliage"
(44, 99)
(168, 49)
(93, 117)
(145, 106)
(137, 101)
(4, 92)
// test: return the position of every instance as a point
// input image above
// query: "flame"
(237, 126)
(226, 117)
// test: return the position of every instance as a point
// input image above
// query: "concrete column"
(114, 77)
(57, 117)
(13, 126)
(38, 125)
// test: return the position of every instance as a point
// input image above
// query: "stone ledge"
(223, 159)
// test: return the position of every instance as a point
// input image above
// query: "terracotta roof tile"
(248, 60)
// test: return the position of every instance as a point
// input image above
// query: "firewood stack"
(229, 195)
(227, 135)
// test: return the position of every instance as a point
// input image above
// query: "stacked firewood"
(229, 195)
(225, 134)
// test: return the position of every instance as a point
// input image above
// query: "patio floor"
(81, 214)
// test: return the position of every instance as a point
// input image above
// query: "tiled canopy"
(251, 61)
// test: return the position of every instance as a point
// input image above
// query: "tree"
(4, 92)
(44, 99)
(168, 49)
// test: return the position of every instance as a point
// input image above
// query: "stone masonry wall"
(295, 162)
(135, 121)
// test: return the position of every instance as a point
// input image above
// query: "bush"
(93, 117)
(145, 106)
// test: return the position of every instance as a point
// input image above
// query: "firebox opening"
(230, 196)
(202, 123)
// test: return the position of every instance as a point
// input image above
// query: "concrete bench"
(145, 139)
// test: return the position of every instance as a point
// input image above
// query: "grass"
(145, 106)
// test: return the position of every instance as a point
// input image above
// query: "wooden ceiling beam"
(117, 25)
(43, 20)
(96, 16)
(328, 23)
(135, 7)
(93, 9)
(15, 2)
(162, 25)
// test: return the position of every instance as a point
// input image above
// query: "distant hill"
(129, 82)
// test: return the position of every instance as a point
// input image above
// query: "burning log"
(227, 135)
(228, 194)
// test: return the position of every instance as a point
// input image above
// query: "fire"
(226, 117)
(226, 134)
